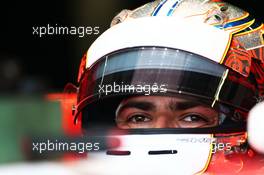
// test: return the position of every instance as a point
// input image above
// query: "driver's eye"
(138, 118)
(194, 118)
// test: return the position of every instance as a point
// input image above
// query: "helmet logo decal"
(174, 7)
(217, 13)
(156, 11)
(240, 23)
(166, 7)
(238, 59)
(252, 38)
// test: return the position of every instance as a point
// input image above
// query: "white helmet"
(205, 51)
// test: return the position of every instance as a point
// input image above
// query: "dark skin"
(164, 112)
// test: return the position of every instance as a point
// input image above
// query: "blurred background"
(31, 66)
(29, 63)
(34, 69)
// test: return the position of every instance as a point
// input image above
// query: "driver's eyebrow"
(142, 105)
(182, 105)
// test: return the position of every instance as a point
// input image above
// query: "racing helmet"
(205, 51)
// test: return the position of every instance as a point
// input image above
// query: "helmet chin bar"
(158, 151)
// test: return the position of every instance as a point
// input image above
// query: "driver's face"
(164, 112)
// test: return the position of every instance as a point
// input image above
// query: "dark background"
(30, 64)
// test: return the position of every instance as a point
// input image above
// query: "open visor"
(161, 71)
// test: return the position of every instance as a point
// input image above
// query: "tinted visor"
(161, 71)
